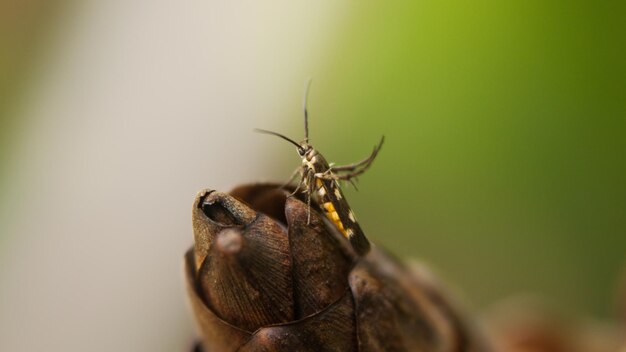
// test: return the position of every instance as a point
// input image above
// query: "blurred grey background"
(504, 163)
(126, 109)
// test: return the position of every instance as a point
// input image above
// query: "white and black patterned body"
(320, 180)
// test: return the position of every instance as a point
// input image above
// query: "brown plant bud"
(263, 277)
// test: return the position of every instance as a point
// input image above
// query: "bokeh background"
(504, 164)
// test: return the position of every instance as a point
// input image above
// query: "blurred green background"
(505, 122)
(505, 161)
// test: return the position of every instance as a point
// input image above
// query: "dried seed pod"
(262, 278)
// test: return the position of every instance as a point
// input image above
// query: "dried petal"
(215, 332)
(320, 268)
(393, 314)
(329, 330)
(246, 278)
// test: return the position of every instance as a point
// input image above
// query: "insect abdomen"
(338, 211)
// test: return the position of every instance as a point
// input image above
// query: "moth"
(319, 177)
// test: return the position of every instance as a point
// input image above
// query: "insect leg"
(365, 163)
(353, 183)
(344, 177)
(293, 176)
(309, 179)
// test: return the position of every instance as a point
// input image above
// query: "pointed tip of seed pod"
(212, 212)
(227, 210)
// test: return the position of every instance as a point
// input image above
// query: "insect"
(319, 177)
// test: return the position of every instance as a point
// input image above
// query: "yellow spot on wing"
(333, 216)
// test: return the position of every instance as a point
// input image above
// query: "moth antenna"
(306, 109)
(278, 135)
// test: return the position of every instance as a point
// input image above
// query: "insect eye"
(301, 151)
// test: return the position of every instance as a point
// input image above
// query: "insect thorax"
(315, 162)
